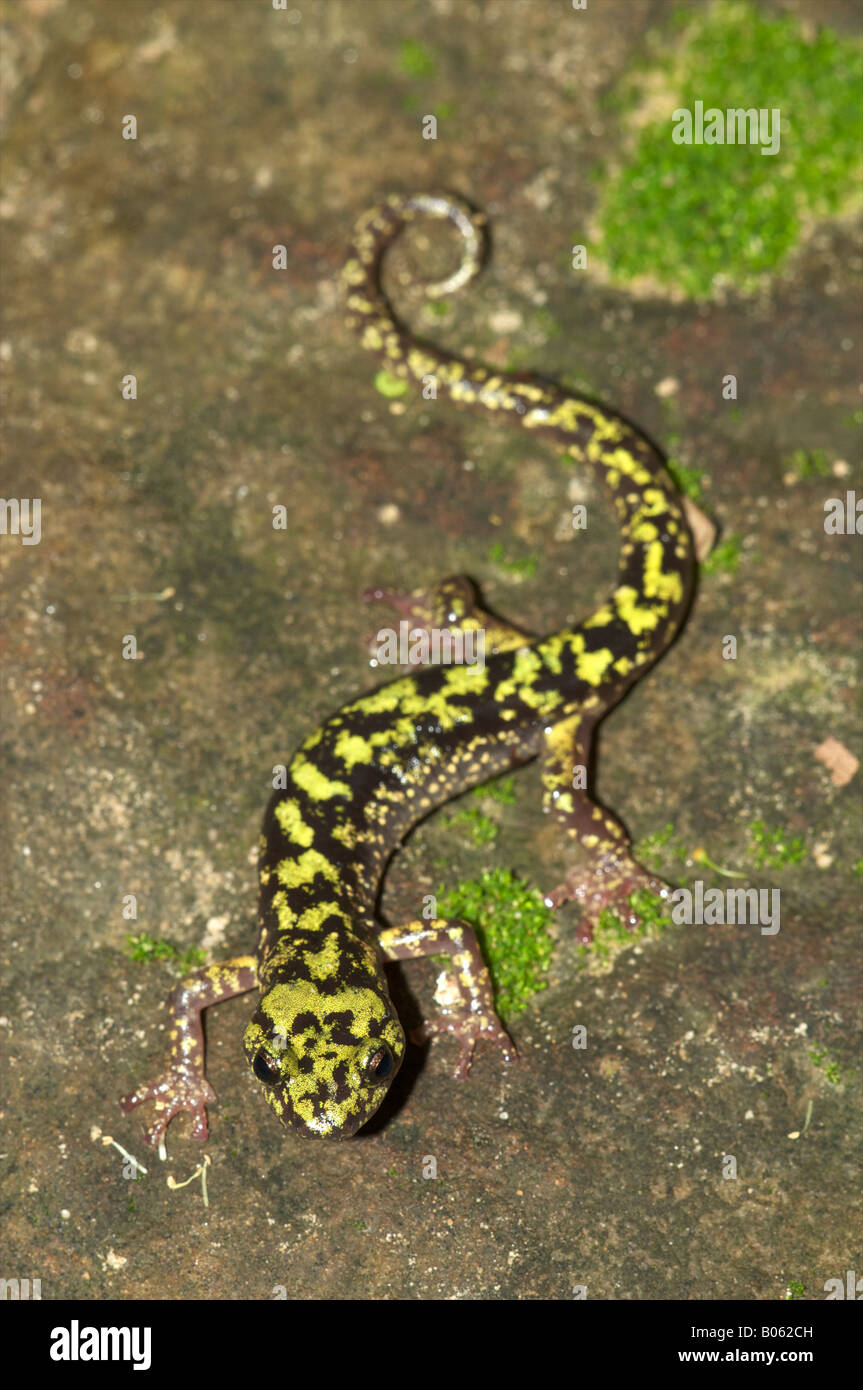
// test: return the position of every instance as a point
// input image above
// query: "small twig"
(107, 1139)
(200, 1172)
(701, 857)
(134, 597)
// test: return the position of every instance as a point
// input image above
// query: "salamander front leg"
(463, 992)
(184, 1085)
(612, 874)
(451, 606)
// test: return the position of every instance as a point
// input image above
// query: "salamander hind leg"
(464, 992)
(611, 874)
(184, 1086)
(450, 618)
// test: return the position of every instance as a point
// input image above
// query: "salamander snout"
(326, 1074)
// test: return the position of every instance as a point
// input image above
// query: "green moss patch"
(146, 948)
(685, 214)
(511, 922)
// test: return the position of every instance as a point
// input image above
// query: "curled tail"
(648, 606)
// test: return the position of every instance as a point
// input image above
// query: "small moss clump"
(725, 557)
(687, 213)
(482, 828)
(511, 922)
(772, 849)
(612, 935)
(829, 1066)
(656, 849)
(389, 385)
(524, 567)
(688, 478)
(148, 948)
(415, 60)
(502, 790)
(808, 463)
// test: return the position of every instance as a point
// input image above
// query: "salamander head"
(325, 1061)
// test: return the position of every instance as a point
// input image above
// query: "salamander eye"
(379, 1066)
(265, 1069)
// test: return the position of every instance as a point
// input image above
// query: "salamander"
(325, 1041)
